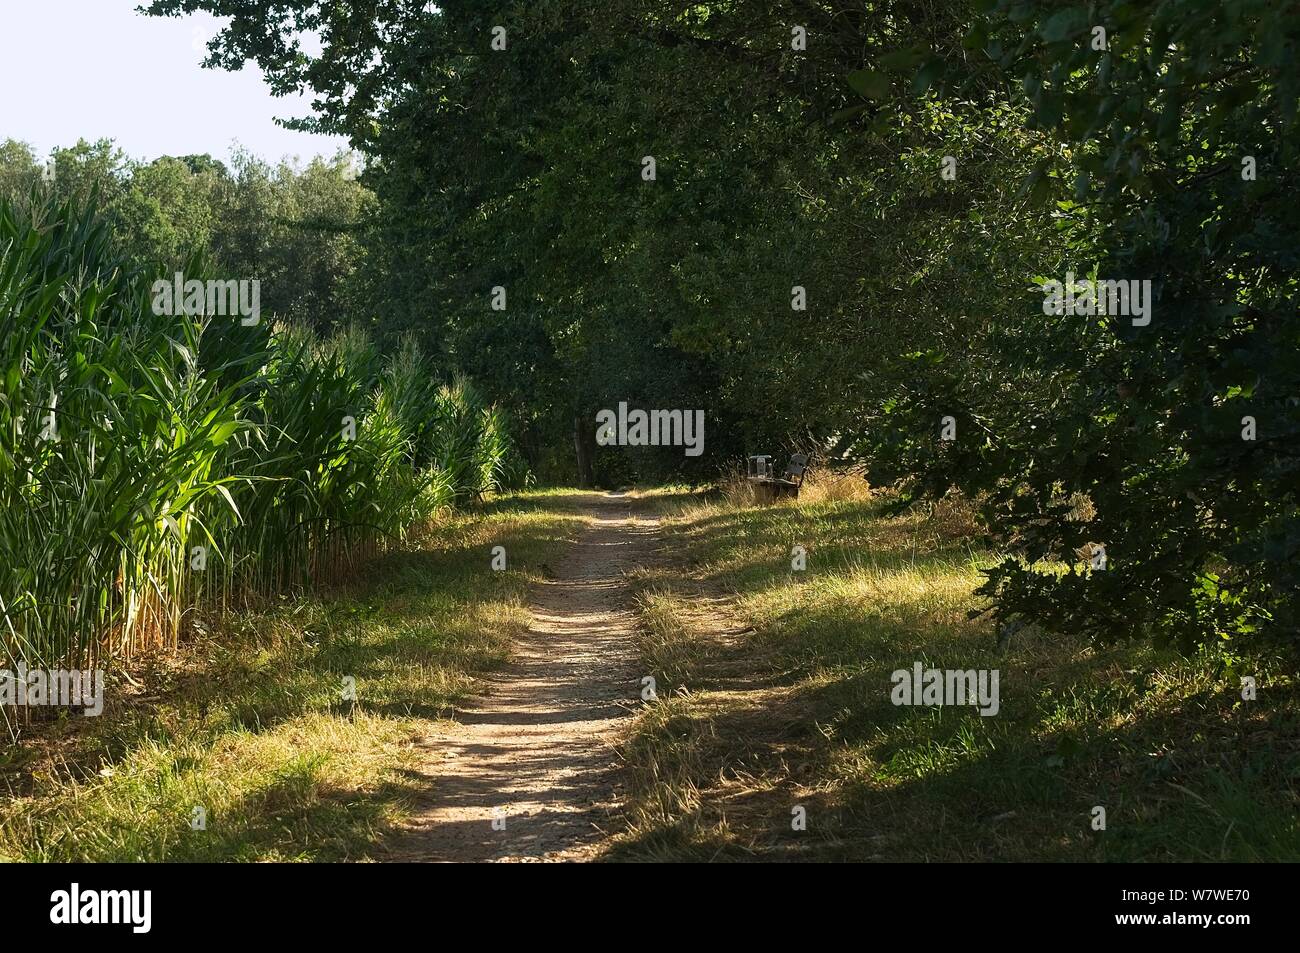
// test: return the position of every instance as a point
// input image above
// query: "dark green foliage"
(820, 168)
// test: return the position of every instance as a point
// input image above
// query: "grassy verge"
(775, 694)
(250, 724)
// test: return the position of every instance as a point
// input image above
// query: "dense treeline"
(154, 462)
(297, 230)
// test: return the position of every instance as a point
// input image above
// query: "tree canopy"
(913, 174)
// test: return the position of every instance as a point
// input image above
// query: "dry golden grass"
(825, 486)
(819, 486)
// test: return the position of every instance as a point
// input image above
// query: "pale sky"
(91, 69)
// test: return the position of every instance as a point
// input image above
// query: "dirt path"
(535, 750)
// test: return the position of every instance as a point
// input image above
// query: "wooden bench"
(767, 484)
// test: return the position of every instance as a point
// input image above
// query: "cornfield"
(151, 465)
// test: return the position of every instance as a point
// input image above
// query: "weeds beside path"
(248, 723)
(775, 691)
(509, 696)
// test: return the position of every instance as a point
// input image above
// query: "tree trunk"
(584, 442)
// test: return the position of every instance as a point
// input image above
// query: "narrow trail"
(535, 749)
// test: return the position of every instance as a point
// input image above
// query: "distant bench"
(767, 483)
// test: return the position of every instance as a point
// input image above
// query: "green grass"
(797, 711)
(773, 693)
(249, 721)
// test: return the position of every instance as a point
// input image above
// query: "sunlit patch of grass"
(250, 723)
(797, 710)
